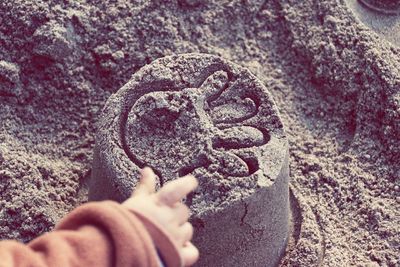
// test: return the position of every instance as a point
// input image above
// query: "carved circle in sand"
(177, 132)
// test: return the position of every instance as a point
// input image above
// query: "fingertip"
(190, 254)
(176, 190)
(193, 180)
(147, 179)
(146, 171)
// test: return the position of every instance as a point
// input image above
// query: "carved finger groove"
(252, 164)
(239, 137)
(234, 111)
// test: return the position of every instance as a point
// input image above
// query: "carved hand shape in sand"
(176, 132)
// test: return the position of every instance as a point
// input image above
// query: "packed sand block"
(202, 115)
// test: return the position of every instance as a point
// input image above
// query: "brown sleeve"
(95, 234)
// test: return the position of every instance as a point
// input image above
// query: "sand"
(334, 80)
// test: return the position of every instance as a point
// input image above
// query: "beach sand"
(335, 81)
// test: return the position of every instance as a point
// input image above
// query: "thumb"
(147, 183)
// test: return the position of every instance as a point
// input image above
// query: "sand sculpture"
(380, 16)
(202, 115)
(383, 6)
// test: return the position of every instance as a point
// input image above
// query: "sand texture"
(334, 78)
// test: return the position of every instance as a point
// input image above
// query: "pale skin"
(165, 208)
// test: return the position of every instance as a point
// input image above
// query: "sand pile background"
(335, 82)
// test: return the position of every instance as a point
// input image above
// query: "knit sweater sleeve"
(102, 234)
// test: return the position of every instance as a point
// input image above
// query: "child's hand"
(166, 209)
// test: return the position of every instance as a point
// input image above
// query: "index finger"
(176, 190)
(147, 182)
